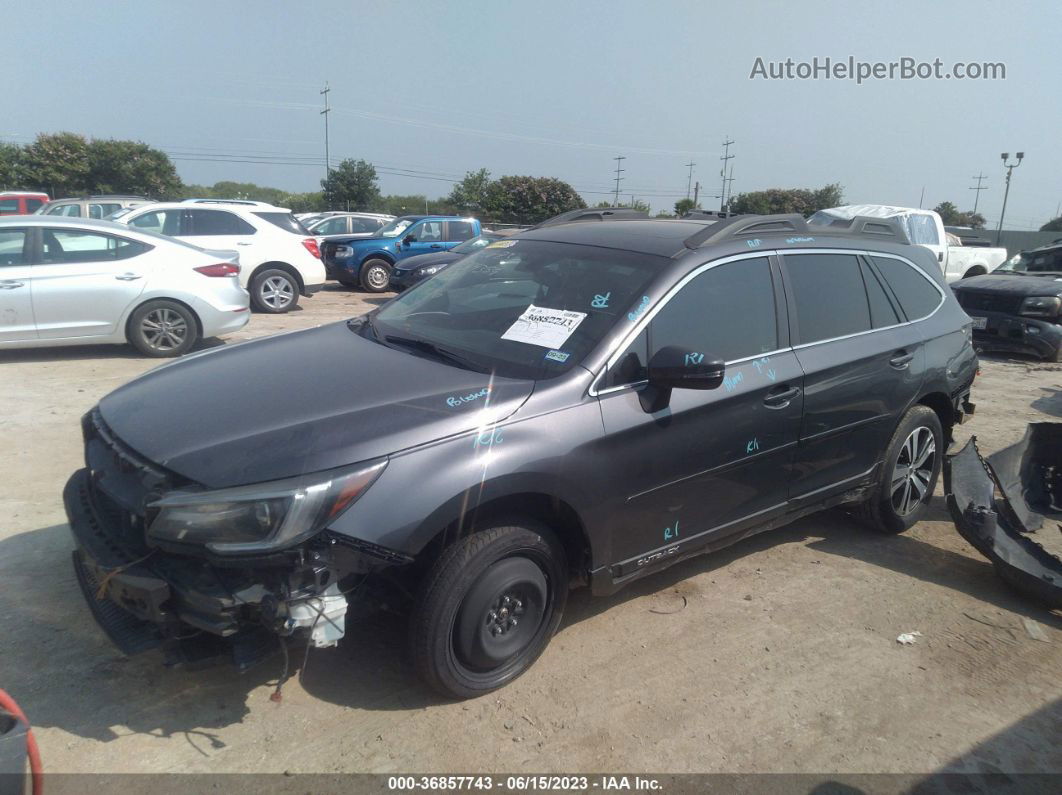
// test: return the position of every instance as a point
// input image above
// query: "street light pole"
(1006, 192)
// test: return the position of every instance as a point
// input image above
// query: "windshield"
(475, 244)
(395, 228)
(1049, 261)
(521, 308)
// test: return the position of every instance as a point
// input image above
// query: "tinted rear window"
(831, 300)
(916, 294)
(286, 221)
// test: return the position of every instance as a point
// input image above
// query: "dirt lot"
(778, 654)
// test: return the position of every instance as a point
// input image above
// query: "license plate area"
(979, 322)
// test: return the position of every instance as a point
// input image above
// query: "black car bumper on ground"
(403, 279)
(1015, 334)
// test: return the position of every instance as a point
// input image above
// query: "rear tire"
(487, 609)
(274, 291)
(912, 465)
(375, 275)
(162, 329)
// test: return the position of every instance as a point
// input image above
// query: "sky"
(428, 91)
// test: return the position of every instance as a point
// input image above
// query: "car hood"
(299, 402)
(1011, 285)
(434, 258)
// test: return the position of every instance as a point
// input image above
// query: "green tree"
(57, 163)
(10, 166)
(788, 200)
(470, 194)
(130, 167)
(1054, 225)
(948, 212)
(528, 200)
(683, 206)
(352, 184)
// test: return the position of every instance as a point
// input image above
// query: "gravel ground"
(778, 654)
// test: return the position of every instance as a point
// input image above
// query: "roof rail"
(699, 214)
(593, 214)
(746, 226)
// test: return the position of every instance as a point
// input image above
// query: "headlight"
(343, 251)
(428, 270)
(263, 515)
(1037, 306)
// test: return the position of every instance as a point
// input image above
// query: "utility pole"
(696, 193)
(729, 192)
(619, 161)
(722, 172)
(325, 112)
(1010, 170)
(689, 181)
(922, 197)
(980, 177)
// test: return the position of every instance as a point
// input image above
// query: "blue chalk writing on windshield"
(752, 446)
(600, 301)
(754, 243)
(800, 240)
(639, 310)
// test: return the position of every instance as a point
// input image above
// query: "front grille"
(972, 300)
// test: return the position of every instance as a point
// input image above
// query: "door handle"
(780, 399)
(10, 284)
(901, 360)
(128, 277)
(435, 245)
(242, 244)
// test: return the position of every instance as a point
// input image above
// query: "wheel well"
(941, 405)
(198, 322)
(976, 270)
(371, 257)
(551, 511)
(280, 266)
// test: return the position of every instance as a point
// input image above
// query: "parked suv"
(1018, 307)
(17, 202)
(97, 207)
(368, 262)
(279, 260)
(584, 403)
(352, 224)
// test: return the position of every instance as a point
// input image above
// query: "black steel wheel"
(488, 608)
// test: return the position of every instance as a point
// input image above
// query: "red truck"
(17, 202)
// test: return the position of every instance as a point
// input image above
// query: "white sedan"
(68, 281)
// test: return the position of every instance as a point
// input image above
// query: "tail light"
(221, 269)
(311, 246)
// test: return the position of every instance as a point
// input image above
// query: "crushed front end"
(209, 575)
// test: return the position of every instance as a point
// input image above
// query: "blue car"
(368, 262)
(414, 270)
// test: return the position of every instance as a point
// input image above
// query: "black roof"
(669, 238)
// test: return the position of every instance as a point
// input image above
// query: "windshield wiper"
(434, 350)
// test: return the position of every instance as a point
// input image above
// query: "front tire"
(375, 275)
(487, 609)
(912, 466)
(274, 291)
(162, 329)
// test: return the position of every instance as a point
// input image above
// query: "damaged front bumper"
(1011, 530)
(199, 610)
(1016, 334)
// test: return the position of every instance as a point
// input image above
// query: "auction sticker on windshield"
(539, 325)
(502, 244)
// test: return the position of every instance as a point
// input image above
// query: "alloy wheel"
(276, 292)
(913, 470)
(377, 278)
(164, 329)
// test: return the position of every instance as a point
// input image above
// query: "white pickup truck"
(925, 228)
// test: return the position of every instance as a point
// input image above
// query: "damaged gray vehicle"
(581, 404)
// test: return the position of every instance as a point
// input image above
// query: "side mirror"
(673, 367)
(409, 239)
